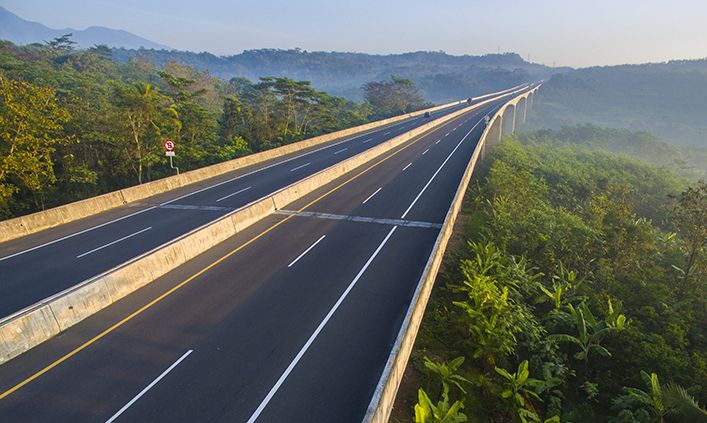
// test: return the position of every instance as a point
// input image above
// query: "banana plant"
(615, 319)
(447, 372)
(519, 385)
(564, 286)
(518, 389)
(590, 333)
(427, 411)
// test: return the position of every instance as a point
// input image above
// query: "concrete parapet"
(36, 222)
(26, 331)
(381, 404)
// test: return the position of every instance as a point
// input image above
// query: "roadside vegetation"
(578, 295)
(74, 124)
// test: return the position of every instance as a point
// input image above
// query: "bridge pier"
(509, 121)
(493, 136)
(523, 106)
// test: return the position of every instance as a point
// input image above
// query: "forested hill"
(440, 76)
(667, 99)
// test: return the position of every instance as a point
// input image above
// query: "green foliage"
(689, 214)
(519, 390)
(657, 404)
(582, 267)
(589, 331)
(428, 412)
(31, 128)
(663, 98)
(98, 125)
(491, 318)
(394, 97)
(442, 77)
(447, 373)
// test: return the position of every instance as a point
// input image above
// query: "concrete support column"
(508, 122)
(496, 131)
(524, 109)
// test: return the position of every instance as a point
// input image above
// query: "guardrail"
(36, 222)
(41, 321)
(383, 399)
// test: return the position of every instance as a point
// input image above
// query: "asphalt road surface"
(37, 266)
(290, 321)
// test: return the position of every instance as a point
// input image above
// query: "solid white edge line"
(371, 196)
(439, 169)
(114, 242)
(407, 166)
(148, 387)
(314, 335)
(300, 167)
(232, 194)
(306, 251)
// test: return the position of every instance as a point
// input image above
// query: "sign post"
(169, 152)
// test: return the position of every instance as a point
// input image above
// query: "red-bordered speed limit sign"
(168, 145)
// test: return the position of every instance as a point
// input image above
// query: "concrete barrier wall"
(36, 222)
(383, 399)
(36, 324)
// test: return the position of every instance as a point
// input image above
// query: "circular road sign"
(169, 145)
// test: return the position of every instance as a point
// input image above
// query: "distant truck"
(469, 100)
(427, 114)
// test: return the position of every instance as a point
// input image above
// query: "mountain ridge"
(21, 31)
(439, 75)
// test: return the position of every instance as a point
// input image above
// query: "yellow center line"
(197, 274)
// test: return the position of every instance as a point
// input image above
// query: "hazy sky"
(568, 32)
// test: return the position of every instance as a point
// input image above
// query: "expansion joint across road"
(361, 219)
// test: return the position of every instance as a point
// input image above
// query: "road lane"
(247, 317)
(24, 282)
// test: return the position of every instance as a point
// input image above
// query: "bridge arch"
(509, 120)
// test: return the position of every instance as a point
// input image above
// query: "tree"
(31, 127)
(142, 106)
(233, 119)
(62, 44)
(689, 214)
(398, 95)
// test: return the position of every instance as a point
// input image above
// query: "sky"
(574, 33)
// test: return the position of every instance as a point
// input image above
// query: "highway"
(289, 321)
(37, 266)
